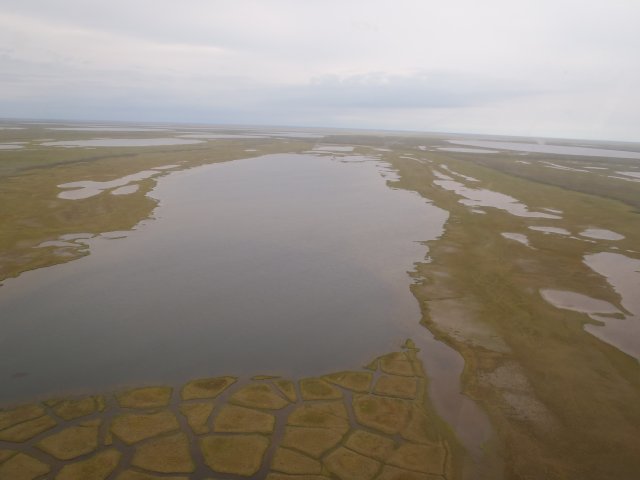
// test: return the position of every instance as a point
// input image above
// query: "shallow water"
(76, 236)
(89, 188)
(334, 148)
(481, 197)
(295, 134)
(466, 150)
(291, 264)
(556, 230)
(444, 367)
(564, 167)
(518, 237)
(601, 234)
(220, 136)
(623, 273)
(441, 176)
(165, 167)
(459, 175)
(126, 190)
(55, 243)
(630, 174)
(544, 148)
(553, 210)
(577, 302)
(107, 129)
(626, 179)
(122, 142)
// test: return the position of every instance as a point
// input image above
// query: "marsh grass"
(564, 404)
(580, 418)
(31, 212)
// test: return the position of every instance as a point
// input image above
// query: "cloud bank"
(541, 68)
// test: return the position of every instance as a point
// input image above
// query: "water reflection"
(293, 264)
(601, 234)
(556, 230)
(89, 188)
(466, 150)
(544, 148)
(517, 237)
(623, 274)
(619, 328)
(126, 190)
(577, 302)
(482, 197)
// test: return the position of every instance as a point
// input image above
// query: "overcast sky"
(558, 68)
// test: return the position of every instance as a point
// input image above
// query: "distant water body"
(546, 148)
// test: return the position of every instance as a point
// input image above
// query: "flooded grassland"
(558, 376)
(193, 290)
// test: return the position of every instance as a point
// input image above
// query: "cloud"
(404, 64)
(410, 91)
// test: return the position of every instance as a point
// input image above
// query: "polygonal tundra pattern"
(372, 424)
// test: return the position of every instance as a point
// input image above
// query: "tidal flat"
(190, 300)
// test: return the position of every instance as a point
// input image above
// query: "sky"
(554, 68)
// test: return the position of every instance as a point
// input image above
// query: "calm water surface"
(545, 148)
(288, 264)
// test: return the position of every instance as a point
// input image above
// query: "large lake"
(288, 264)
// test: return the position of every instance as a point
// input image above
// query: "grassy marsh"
(31, 212)
(564, 403)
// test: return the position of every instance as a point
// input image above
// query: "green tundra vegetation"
(352, 424)
(563, 402)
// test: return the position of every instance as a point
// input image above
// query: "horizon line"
(359, 129)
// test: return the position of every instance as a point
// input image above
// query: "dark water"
(288, 264)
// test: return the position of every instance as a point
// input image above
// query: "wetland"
(175, 295)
